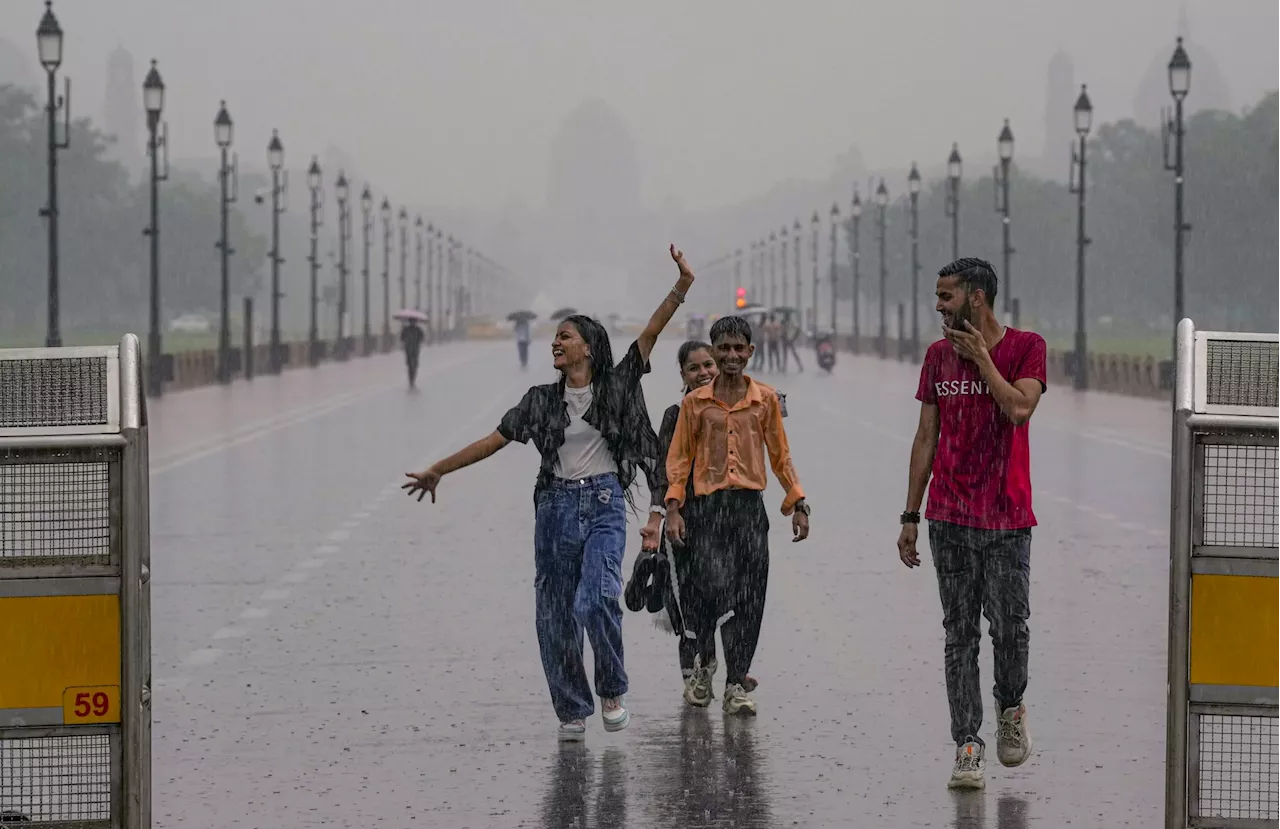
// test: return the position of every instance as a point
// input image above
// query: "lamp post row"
(464, 262)
(1173, 133)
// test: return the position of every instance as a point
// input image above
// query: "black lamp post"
(782, 236)
(773, 269)
(1179, 86)
(386, 214)
(816, 226)
(855, 256)
(835, 225)
(343, 192)
(441, 310)
(366, 239)
(882, 202)
(451, 312)
(795, 235)
(223, 131)
(417, 262)
(314, 183)
(1083, 122)
(404, 257)
(49, 45)
(953, 198)
(153, 103)
(913, 191)
(279, 186)
(431, 266)
(1000, 177)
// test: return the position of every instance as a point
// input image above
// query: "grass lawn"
(1139, 345)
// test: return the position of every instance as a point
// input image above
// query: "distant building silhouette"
(122, 110)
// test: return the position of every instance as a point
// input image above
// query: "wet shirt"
(730, 444)
(412, 337)
(982, 467)
(584, 452)
(622, 419)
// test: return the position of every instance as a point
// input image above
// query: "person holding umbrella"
(592, 429)
(520, 320)
(411, 337)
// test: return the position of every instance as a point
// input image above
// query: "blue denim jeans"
(985, 572)
(579, 538)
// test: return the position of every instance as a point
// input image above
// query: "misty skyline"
(458, 104)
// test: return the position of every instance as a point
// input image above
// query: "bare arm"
(474, 453)
(1018, 400)
(667, 309)
(922, 451)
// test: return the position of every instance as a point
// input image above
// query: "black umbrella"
(564, 312)
(517, 316)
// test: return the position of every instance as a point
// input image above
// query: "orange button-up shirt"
(729, 443)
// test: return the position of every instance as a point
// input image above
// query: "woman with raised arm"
(593, 432)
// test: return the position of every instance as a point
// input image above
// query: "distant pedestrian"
(593, 432)
(728, 425)
(411, 337)
(979, 386)
(523, 336)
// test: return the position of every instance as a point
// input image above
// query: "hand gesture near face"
(967, 342)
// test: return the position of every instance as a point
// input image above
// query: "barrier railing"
(1221, 768)
(75, 637)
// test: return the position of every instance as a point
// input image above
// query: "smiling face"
(732, 354)
(955, 304)
(568, 349)
(698, 369)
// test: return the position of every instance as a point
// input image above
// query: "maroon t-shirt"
(982, 469)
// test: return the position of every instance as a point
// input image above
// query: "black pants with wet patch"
(982, 572)
(727, 538)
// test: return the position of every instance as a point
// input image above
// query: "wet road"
(329, 653)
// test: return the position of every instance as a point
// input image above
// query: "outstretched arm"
(426, 481)
(649, 336)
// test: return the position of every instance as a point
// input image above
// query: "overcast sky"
(456, 101)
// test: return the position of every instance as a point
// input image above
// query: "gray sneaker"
(1013, 741)
(615, 718)
(737, 703)
(697, 688)
(574, 731)
(969, 767)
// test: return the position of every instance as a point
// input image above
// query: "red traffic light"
(742, 293)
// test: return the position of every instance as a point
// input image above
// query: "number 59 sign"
(95, 704)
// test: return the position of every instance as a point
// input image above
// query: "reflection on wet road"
(327, 653)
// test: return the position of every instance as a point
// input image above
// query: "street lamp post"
(431, 256)
(441, 310)
(417, 263)
(816, 225)
(882, 202)
(795, 235)
(835, 224)
(343, 192)
(1004, 147)
(783, 264)
(314, 183)
(384, 211)
(404, 257)
(366, 244)
(49, 45)
(1179, 86)
(227, 178)
(153, 103)
(452, 306)
(279, 187)
(953, 198)
(855, 255)
(913, 191)
(773, 270)
(1083, 122)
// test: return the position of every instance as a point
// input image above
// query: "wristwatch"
(910, 518)
(803, 508)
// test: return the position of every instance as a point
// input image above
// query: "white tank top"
(584, 452)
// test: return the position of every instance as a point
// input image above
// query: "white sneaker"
(574, 731)
(967, 773)
(737, 703)
(1013, 741)
(697, 688)
(617, 718)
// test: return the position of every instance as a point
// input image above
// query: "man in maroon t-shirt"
(978, 388)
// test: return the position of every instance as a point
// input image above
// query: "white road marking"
(339, 535)
(1131, 527)
(295, 578)
(325, 550)
(349, 525)
(1106, 516)
(275, 594)
(362, 515)
(312, 563)
(229, 633)
(203, 656)
(170, 683)
(255, 613)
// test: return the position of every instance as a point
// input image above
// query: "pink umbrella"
(406, 314)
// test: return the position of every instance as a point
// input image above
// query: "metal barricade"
(1221, 768)
(75, 635)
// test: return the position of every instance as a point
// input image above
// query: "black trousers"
(727, 539)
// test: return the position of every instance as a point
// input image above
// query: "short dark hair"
(731, 327)
(974, 275)
(688, 348)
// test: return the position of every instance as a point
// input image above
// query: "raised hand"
(677, 256)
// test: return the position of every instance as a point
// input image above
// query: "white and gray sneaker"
(1013, 740)
(737, 703)
(697, 688)
(967, 773)
(574, 731)
(615, 715)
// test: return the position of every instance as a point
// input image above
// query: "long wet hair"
(686, 349)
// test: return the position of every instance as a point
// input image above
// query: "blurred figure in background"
(411, 337)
